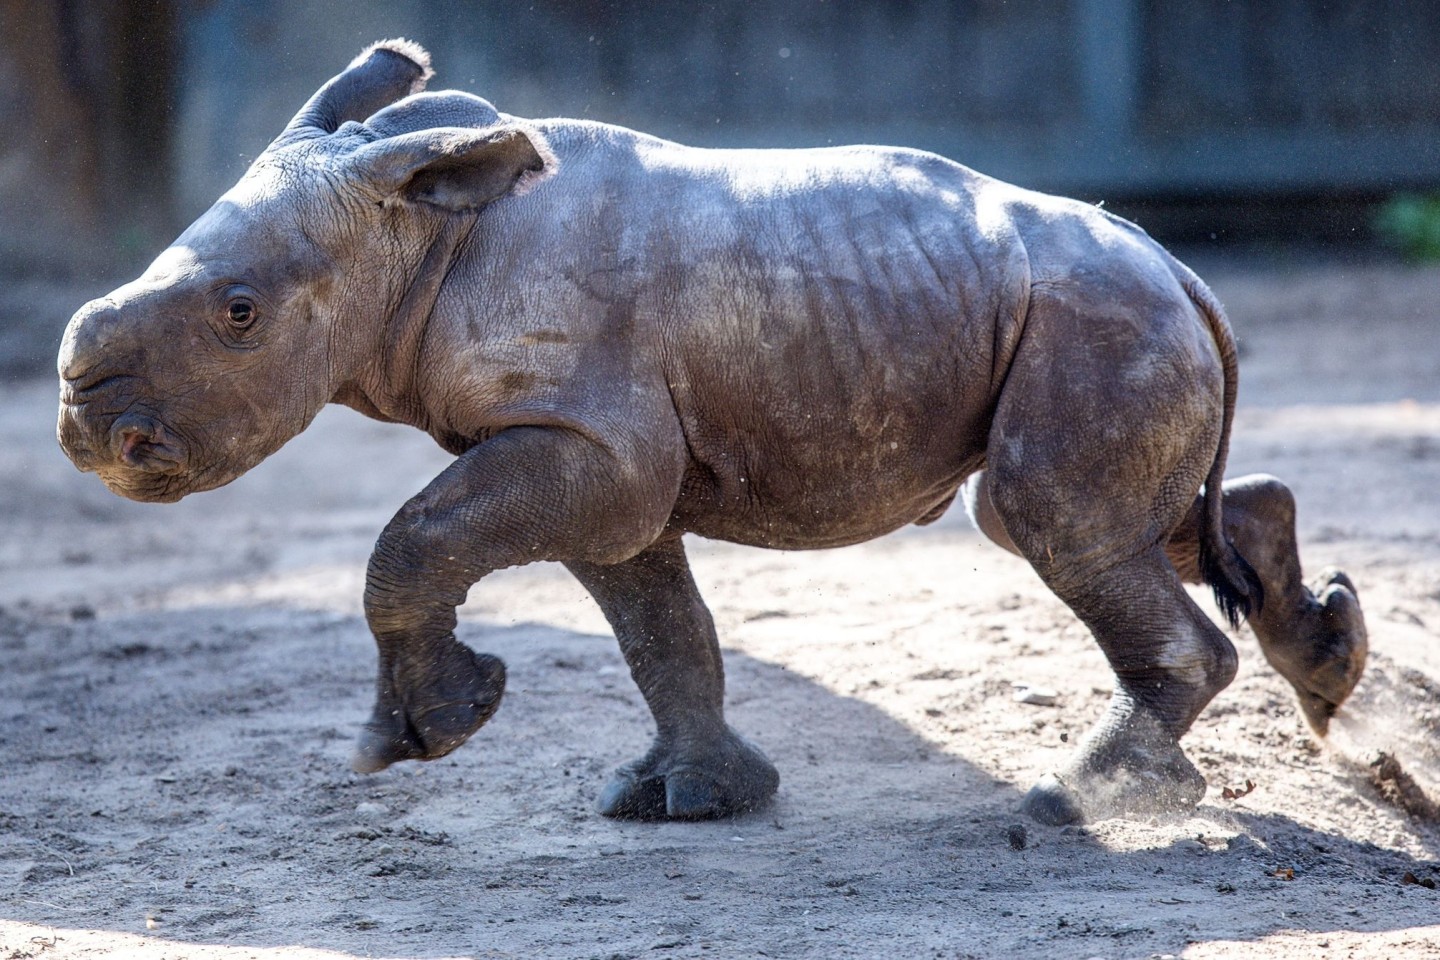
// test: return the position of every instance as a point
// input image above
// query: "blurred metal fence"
(1128, 97)
(124, 118)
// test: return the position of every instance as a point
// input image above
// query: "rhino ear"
(455, 168)
(383, 73)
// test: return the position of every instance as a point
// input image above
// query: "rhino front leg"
(526, 494)
(697, 768)
(1313, 636)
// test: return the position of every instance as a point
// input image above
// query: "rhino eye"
(241, 313)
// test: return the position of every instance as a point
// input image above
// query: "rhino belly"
(840, 498)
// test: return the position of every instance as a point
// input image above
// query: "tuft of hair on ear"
(537, 172)
(401, 47)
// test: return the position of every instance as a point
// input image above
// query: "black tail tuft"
(1237, 587)
(1238, 591)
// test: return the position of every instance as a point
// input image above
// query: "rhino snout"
(133, 441)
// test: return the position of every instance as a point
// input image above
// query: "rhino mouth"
(145, 487)
(135, 454)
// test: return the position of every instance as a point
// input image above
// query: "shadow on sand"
(181, 776)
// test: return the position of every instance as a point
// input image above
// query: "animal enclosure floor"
(181, 686)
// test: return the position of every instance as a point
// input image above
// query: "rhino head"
(277, 299)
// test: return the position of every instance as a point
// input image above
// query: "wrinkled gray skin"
(623, 340)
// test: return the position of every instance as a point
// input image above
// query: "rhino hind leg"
(698, 767)
(1131, 744)
(1085, 474)
(1169, 661)
(1313, 636)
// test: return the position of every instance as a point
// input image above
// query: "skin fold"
(623, 340)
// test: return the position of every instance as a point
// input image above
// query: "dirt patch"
(1398, 787)
(181, 686)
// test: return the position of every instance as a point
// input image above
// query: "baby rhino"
(623, 340)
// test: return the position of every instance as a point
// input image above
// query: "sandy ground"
(181, 686)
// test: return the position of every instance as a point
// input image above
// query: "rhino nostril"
(143, 444)
(131, 438)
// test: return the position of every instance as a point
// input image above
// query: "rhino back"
(830, 327)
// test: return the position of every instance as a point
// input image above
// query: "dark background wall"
(1232, 119)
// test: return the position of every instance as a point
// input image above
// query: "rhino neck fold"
(386, 386)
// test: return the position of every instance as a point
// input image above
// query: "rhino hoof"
(438, 722)
(378, 748)
(1054, 802)
(630, 797)
(1051, 802)
(1341, 647)
(1131, 769)
(738, 778)
(681, 795)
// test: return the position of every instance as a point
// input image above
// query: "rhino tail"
(1238, 590)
